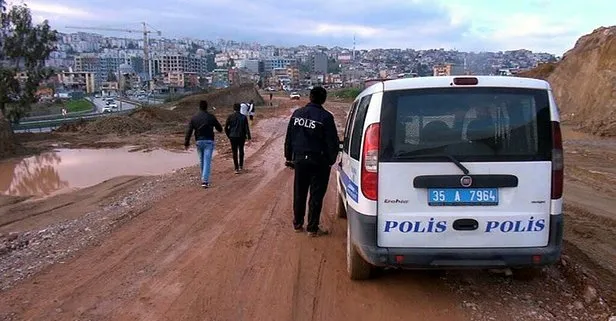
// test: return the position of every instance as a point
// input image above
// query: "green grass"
(78, 105)
(347, 93)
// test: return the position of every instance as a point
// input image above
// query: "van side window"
(347, 130)
(358, 126)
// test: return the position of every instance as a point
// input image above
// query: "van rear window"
(470, 124)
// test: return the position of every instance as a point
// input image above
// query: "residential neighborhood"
(95, 63)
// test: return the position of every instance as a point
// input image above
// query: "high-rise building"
(318, 63)
(180, 63)
(100, 66)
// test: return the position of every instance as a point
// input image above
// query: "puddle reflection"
(59, 170)
(37, 175)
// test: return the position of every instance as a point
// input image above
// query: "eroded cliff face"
(584, 82)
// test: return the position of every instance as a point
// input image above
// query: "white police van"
(452, 172)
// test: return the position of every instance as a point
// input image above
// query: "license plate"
(462, 196)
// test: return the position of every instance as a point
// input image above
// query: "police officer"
(311, 148)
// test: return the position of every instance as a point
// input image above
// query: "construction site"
(149, 243)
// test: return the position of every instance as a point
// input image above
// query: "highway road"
(100, 103)
(45, 124)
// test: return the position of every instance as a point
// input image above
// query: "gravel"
(24, 254)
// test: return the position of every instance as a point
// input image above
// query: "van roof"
(446, 81)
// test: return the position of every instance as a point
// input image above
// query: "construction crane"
(145, 31)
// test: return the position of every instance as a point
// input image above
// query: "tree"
(24, 47)
(304, 68)
(111, 76)
(333, 66)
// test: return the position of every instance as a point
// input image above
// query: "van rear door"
(465, 168)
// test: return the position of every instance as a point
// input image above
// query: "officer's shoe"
(318, 233)
(298, 229)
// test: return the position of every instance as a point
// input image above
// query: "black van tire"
(357, 267)
(340, 209)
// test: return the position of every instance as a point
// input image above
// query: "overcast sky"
(471, 25)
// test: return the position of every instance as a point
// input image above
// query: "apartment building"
(448, 70)
(109, 87)
(175, 79)
(181, 63)
(251, 65)
(100, 66)
(334, 80)
(270, 64)
(293, 73)
(220, 78)
(78, 80)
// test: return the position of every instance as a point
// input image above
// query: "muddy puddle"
(63, 170)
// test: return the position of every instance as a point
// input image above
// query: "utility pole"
(119, 85)
(353, 48)
(146, 56)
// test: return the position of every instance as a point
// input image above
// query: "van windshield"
(469, 124)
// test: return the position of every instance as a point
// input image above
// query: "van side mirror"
(340, 145)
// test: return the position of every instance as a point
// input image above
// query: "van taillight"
(558, 162)
(370, 162)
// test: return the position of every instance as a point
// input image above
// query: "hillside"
(584, 82)
(219, 98)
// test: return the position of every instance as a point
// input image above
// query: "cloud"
(58, 10)
(540, 25)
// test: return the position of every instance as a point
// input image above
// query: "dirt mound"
(120, 125)
(220, 98)
(542, 71)
(157, 115)
(584, 82)
(72, 127)
(7, 140)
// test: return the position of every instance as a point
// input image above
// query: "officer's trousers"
(310, 177)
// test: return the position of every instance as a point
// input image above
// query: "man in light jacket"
(244, 109)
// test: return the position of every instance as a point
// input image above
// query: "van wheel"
(340, 209)
(357, 267)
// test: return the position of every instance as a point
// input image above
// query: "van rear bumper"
(364, 238)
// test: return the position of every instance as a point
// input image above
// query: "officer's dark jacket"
(312, 131)
(236, 126)
(203, 124)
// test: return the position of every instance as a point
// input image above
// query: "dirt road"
(229, 253)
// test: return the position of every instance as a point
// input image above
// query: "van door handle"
(465, 224)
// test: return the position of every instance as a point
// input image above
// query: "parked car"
(106, 110)
(295, 96)
(113, 105)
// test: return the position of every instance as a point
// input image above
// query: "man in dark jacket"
(311, 148)
(203, 124)
(237, 129)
